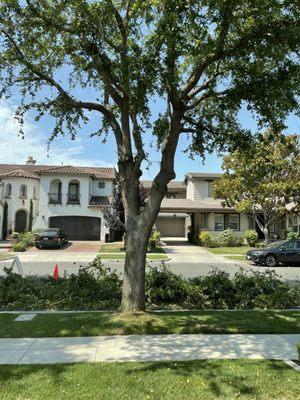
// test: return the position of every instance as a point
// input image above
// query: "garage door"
(78, 228)
(171, 226)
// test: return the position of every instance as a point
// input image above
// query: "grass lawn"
(110, 323)
(229, 250)
(121, 256)
(118, 247)
(7, 256)
(236, 258)
(194, 380)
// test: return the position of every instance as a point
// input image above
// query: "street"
(185, 259)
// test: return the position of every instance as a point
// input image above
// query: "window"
(234, 222)
(251, 222)
(23, 191)
(204, 220)
(101, 185)
(34, 193)
(8, 190)
(219, 222)
(73, 195)
(209, 189)
(288, 246)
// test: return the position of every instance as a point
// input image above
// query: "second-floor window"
(8, 190)
(73, 195)
(101, 185)
(23, 191)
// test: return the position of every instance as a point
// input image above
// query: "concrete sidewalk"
(147, 348)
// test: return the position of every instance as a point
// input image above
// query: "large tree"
(263, 179)
(205, 59)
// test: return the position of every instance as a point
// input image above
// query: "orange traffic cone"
(55, 273)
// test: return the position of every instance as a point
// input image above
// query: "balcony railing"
(73, 198)
(55, 198)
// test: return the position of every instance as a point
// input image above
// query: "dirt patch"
(77, 246)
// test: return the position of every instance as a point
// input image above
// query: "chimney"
(30, 161)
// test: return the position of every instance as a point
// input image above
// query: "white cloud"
(15, 150)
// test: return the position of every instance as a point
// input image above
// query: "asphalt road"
(186, 260)
(189, 267)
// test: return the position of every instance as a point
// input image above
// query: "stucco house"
(74, 198)
(69, 197)
(189, 205)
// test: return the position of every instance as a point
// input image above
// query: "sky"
(90, 151)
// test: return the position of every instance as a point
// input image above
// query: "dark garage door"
(78, 228)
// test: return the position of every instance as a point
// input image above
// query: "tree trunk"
(133, 297)
(266, 234)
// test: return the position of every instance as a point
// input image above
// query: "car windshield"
(49, 233)
(276, 244)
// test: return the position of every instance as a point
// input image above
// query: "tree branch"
(106, 112)
(200, 68)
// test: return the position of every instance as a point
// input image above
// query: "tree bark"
(133, 297)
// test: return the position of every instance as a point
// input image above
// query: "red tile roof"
(34, 171)
(19, 173)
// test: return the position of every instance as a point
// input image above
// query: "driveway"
(75, 246)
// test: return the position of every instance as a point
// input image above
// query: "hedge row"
(97, 288)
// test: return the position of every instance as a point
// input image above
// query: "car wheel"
(271, 261)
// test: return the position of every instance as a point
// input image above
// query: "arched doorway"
(21, 221)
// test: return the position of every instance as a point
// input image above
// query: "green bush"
(206, 239)
(27, 238)
(292, 235)
(298, 348)
(96, 287)
(93, 288)
(246, 290)
(164, 287)
(20, 246)
(154, 240)
(228, 238)
(251, 237)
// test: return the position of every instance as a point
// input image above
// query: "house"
(195, 209)
(72, 198)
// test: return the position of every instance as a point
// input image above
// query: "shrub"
(93, 288)
(206, 239)
(292, 235)
(255, 289)
(96, 287)
(154, 240)
(27, 238)
(20, 246)
(228, 238)
(218, 289)
(164, 287)
(251, 237)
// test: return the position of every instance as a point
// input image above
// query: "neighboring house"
(68, 197)
(73, 198)
(200, 211)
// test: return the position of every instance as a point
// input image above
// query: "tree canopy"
(263, 179)
(206, 60)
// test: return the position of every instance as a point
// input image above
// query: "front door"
(21, 221)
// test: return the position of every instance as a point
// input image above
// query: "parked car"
(282, 252)
(52, 237)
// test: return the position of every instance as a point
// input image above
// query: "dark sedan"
(51, 237)
(283, 252)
